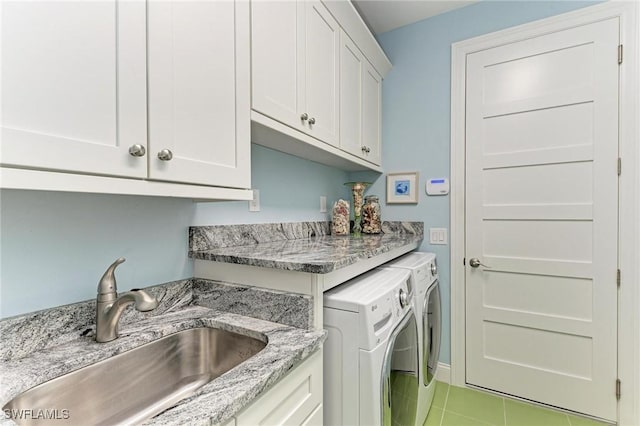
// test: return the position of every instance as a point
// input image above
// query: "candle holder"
(357, 192)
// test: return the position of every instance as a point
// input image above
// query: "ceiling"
(385, 15)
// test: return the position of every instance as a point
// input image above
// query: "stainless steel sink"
(138, 384)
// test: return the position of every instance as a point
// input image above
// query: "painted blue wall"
(55, 246)
(416, 109)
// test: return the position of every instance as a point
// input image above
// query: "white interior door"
(541, 216)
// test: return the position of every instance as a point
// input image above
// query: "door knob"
(474, 263)
(165, 155)
(137, 150)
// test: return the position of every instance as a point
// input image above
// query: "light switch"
(438, 236)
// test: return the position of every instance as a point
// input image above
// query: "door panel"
(541, 215)
(322, 53)
(73, 86)
(371, 112)
(198, 94)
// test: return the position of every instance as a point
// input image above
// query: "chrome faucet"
(110, 307)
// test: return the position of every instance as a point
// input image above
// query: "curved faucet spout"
(109, 307)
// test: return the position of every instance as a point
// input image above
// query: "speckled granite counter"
(304, 246)
(62, 347)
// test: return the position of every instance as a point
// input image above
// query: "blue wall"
(416, 108)
(55, 246)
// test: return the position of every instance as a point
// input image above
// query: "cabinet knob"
(368, 150)
(304, 116)
(165, 155)
(312, 121)
(137, 150)
(364, 149)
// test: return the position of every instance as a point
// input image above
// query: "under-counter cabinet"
(79, 78)
(294, 400)
(360, 98)
(295, 48)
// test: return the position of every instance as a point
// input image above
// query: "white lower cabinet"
(294, 400)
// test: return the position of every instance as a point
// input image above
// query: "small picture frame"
(402, 188)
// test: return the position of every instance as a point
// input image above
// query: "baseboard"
(443, 373)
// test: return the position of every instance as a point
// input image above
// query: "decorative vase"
(357, 192)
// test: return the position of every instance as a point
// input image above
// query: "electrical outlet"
(438, 236)
(254, 205)
(323, 204)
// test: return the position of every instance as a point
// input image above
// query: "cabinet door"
(277, 77)
(322, 53)
(351, 73)
(74, 86)
(292, 401)
(371, 111)
(199, 92)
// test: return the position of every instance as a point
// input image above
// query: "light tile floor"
(454, 406)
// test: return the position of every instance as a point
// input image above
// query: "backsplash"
(209, 237)
(25, 334)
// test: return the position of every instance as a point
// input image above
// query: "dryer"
(371, 352)
(427, 306)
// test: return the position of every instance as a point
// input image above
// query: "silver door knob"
(304, 116)
(165, 155)
(137, 150)
(312, 121)
(474, 263)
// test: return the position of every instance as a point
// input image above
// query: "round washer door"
(400, 382)
(431, 331)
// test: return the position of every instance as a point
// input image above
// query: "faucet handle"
(107, 288)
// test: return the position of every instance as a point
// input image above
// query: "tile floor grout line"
(444, 406)
(504, 410)
(568, 418)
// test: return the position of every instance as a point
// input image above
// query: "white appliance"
(427, 306)
(371, 353)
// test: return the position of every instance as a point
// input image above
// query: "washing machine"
(371, 352)
(427, 305)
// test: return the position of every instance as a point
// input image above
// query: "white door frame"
(629, 190)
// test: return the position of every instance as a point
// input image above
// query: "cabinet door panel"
(322, 47)
(197, 87)
(74, 86)
(277, 68)
(371, 110)
(351, 73)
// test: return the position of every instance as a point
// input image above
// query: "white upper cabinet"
(199, 101)
(371, 113)
(316, 80)
(79, 77)
(295, 47)
(321, 52)
(360, 89)
(74, 86)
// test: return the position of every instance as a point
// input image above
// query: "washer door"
(431, 330)
(400, 381)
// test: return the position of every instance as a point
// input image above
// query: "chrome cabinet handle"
(304, 117)
(165, 155)
(312, 121)
(137, 150)
(474, 263)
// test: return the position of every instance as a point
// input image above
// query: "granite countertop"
(304, 247)
(213, 403)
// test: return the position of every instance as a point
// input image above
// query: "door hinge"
(619, 54)
(618, 389)
(619, 166)
(618, 278)
(464, 261)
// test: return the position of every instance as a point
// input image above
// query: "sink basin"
(138, 384)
